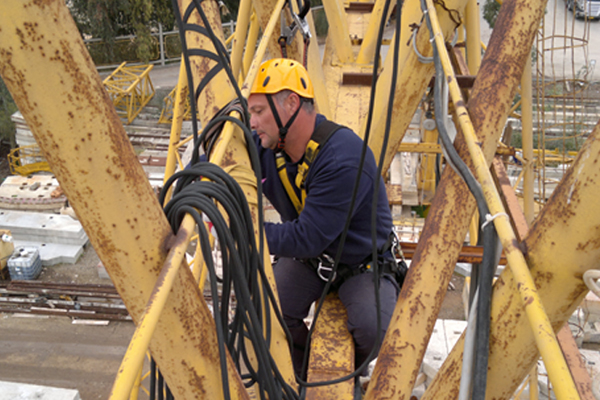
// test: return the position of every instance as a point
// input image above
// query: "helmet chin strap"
(283, 130)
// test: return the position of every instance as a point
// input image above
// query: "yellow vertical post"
(52, 79)
(135, 390)
(473, 36)
(338, 29)
(473, 47)
(249, 53)
(316, 72)
(239, 39)
(367, 48)
(178, 113)
(428, 163)
(527, 139)
(533, 384)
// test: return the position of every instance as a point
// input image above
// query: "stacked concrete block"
(59, 238)
(40, 192)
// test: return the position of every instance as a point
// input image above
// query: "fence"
(167, 46)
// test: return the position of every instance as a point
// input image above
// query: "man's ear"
(292, 102)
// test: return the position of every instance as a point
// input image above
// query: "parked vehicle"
(589, 9)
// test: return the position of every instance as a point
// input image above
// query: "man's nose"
(252, 122)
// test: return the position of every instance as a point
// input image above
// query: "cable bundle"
(202, 189)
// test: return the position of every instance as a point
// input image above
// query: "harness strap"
(318, 139)
(283, 176)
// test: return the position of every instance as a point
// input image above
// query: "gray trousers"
(299, 286)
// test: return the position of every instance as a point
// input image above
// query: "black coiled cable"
(202, 189)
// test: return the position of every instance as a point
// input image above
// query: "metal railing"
(27, 160)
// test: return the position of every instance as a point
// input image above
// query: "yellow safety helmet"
(281, 73)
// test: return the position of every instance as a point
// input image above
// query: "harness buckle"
(326, 265)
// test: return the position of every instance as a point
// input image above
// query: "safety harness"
(324, 264)
(390, 260)
(318, 139)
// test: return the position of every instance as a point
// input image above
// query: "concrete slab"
(21, 391)
(43, 227)
(591, 359)
(443, 338)
(54, 253)
(38, 192)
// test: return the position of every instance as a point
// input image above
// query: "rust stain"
(542, 278)
(196, 381)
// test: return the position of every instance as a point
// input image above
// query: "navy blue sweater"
(329, 186)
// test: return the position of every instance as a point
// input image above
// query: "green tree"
(491, 8)
(7, 108)
(107, 19)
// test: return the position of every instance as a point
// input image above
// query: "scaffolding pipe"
(136, 351)
(527, 139)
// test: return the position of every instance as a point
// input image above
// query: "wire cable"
(202, 190)
(187, 199)
(338, 255)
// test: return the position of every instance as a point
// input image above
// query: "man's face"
(262, 120)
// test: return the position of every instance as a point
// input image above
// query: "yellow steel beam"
(316, 72)
(240, 35)
(265, 10)
(368, 46)
(412, 82)
(452, 207)
(556, 365)
(473, 36)
(133, 360)
(559, 251)
(181, 95)
(428, 165)
(46, 67)
(331, 353)
(249, 53)
(213, 96)
(338, 30)
(427, 148)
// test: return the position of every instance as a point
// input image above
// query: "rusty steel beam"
(468, 254)
(562, 244)
(331, 353)
(56, 86)
(413, 79)
(452, 207)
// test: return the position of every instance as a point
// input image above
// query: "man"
(315, 206)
